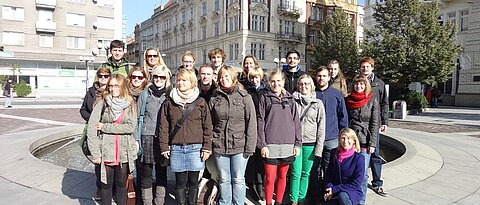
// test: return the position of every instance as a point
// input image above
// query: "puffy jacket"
(365, 122)
(313, 124)
(234, 122)
(121, 67)
(88, 101)
(378, 88)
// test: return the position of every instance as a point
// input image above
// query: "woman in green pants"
(312, 116)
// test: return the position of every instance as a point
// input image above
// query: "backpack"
(208, 192)
(269, 102)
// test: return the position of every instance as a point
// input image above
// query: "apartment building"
(263, 28)
(47, 38)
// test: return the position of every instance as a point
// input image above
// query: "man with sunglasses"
(116, 62)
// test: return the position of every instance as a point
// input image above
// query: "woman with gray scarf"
(110, 137)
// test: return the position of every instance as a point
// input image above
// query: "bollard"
(399, 109)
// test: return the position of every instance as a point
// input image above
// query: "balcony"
(46, 26)
(50, 4)
(288, 10)
(289, 37)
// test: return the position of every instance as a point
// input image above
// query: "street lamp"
(105, 46)
(86, 59)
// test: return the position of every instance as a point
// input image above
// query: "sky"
(138, 11)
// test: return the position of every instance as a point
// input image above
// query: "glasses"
(161, 77)
(187, 61)
(137, 77)
(304, 84)
(116, 86)
(103, 76)
(152, 56)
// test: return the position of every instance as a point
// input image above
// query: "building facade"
(263, 28)
(45, 39)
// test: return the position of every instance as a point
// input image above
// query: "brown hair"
(103, 70)
(257, 71)
(229, 70)
(144, 73)
(189, 53)
(361, 79)
(124, 91)
(216, 51)
(367, 60)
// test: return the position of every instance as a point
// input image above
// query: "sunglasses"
(137, 77)
(152, 56)
(161, 77)
(103, 76)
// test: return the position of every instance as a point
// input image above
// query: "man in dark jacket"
(336, 120)
(205, 83)
(379, 91)
(292, 71)
(117, 63)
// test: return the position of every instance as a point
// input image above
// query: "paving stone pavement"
(440, 165)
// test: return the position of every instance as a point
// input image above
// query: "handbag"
(84, 141)
(164, 161)
(131, 196)
(5, 93)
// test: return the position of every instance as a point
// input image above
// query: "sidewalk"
(440, 166)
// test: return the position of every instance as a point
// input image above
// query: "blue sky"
(140, 10)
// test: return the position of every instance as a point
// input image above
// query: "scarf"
(135, 92)
(117, 105)
(156, 91)
(227, 90)
(181, 98)
(357, 100)
(345, 154)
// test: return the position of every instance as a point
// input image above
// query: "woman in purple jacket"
(345, 171)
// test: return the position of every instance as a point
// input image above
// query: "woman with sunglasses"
(154, 94)
(92, 94)
(137, 81)
(110, 138)
(151, 60)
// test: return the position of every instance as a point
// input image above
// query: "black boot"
(181, 196)
(260, 192)
(192, 196)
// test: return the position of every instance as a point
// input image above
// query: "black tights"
(115, 175)
(190, 178)
(145, 170)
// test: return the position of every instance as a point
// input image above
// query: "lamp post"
(86, 59)
(105, 46)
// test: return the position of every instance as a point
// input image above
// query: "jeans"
(231, 170)
(8, 101)
(341, 198)
(364, 152)
(300, 174)
(376, 165)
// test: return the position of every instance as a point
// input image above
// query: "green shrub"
(22, 89)
(415, 100)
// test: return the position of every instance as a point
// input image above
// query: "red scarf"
(356, 100)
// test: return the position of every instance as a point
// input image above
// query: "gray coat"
(313, 124)
(365, 121)
(234, 122)
(152, 109)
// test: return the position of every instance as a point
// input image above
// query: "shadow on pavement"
(79, 185)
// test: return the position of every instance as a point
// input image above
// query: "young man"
(336, 120)
(217, 57)
(292, 71)
(367, 65)
(7, 92)
(205, 82)
(117, 63)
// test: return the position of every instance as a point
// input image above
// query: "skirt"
(186, 158)
(150, 150)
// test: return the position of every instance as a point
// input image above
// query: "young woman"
(138, 80)
(363, 118)
(256, 87)
(191, 145)
(94, 92)
(114, 118)
(156, 93)
(345, 172)
(249, 63)
(337, 80)
(234, 135)
(279, 135)
(313, 120)
(152, 59)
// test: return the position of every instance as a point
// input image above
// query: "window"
(232, 23)
(77, 1)
(204, 8)
(217, 5)
(262, 24)
(176, 19)
(216, 29)
(255, 22)
(440, 19)
(12, 13)
(191, 35)
(464, 20)
(184, 17)
(204, 32)
(45, 16)
(237, 51)
(105, 23)
(183, 38)
(261, 52)
(316, 14)
(13, 38)
(205, 56)
(75, 42)
(75, 19)
(232, 50)
(232, 1)
(259, 1)
(452, 17)
(45, 40)
(191, 13)
(253, 49)
(144, 46)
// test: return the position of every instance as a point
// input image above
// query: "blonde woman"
(151, 59)
(345, 171)
(114, 118)
(337, 80)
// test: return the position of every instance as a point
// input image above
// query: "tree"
(337, 42)
(409, 44)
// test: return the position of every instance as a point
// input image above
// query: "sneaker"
(98, 195)
(380, 191)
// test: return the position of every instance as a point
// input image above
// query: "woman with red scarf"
(363, 117)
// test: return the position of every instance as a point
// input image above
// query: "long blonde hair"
(160, 60)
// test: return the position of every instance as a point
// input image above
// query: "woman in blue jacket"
(345, 171)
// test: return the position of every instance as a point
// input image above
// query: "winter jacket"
(121, 67)
(337, 117)
(365, 122)
(337, 83)
(281, 127)
(346, 176)
(102, 145)
(378, 88)
(234, 122)
(256, 93)
(313, 124)
(210, 92)
(87, 105)
(291, 78)
(152, 109)
(197, 128)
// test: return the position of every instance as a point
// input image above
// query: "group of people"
(246, 131)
